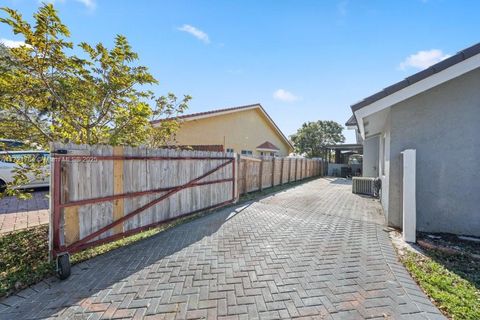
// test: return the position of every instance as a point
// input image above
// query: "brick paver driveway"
(18, 214)
(315, 251)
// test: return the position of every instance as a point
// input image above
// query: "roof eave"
(442, 72)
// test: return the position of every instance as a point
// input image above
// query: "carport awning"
(343, 150)
(345, 147)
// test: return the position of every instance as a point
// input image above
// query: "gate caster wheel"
(63, 266)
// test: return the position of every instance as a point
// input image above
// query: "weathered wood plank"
(273, 172)
(101, 184)
(282, 163)
(118, 205)
(260, 175)
(72, 223)
(81, 175)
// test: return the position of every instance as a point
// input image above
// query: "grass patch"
(23, 259)
(24, 254)
(451, 281)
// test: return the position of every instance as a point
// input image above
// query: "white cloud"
(197, 33)
(90, 4)
(342, 8)
(423, 59)
(12, 43)
(285, 96)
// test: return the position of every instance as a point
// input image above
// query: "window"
(7, 144)
(271, 154)
(230, 150)
(247, 152)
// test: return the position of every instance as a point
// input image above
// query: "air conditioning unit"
(363, 185)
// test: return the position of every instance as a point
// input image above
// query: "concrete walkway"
(314, 252)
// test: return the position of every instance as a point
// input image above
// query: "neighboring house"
(247, 130)
(437, 113)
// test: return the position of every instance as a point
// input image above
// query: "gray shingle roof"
(186, 116)
(352, 121)
(268, 145)
(442, 65)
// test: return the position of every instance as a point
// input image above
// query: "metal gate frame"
(59, 156)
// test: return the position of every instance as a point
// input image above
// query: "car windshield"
(11, 144)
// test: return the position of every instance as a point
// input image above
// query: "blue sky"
(302, 60)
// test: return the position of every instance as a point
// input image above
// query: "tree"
(3, 55)
(312, 137)
(96, 98)
(169, 108)
(8, 119)
(47, 93)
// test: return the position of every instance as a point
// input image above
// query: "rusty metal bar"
(91, 157)
(56, 203)
(135, 194)
(78, 247)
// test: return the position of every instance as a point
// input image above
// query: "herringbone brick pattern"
(301, 253)
(16, 214)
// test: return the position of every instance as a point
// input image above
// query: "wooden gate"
(103, 193)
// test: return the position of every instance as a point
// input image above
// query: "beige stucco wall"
(241, 130)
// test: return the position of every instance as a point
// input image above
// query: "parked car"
(8, 163)
(10, 144)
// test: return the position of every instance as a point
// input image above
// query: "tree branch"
(32, 122)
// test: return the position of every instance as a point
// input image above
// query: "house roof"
(217, 112)
(352, 121)
(211, 112)
(267, 145)
(372, 112)
(436, 68)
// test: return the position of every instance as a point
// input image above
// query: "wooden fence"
(102, 193)
(261, 173)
